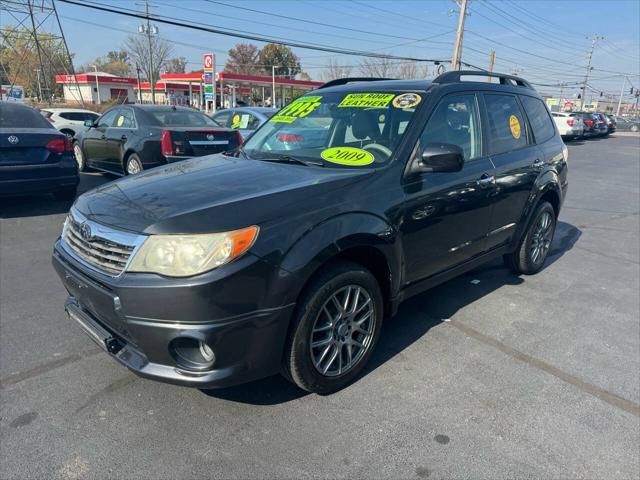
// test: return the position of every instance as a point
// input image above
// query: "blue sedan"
(244, 119)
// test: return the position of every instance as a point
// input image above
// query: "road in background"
(489, 375)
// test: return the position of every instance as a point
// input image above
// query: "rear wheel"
(532, 252)
(133, 164)
(335, 329)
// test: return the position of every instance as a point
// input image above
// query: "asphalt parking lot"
(487, 376)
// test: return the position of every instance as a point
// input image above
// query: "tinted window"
(176, 117)
(455, 121)
(223, 118)
(506, 129)
(539, 120)
(125, 119)
(79, 116)
(107, 119)
(20, 116)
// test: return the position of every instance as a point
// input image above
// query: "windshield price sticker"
(367, 100)
(299, 108)
(514, 125)
(236, 121)
(347, 156)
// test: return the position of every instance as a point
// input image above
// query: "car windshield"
(334, 129)
(181, 118)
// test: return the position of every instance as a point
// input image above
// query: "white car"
(68, 120)
(569, 124)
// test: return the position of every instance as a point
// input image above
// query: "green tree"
(243, 59)
(115, 62)
(286, 62)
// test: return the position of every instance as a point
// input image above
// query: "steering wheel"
(377, 148)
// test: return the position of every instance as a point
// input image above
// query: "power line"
(255, 37)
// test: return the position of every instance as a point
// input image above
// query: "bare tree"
(378, 67)
(138, 49)
(334, 70)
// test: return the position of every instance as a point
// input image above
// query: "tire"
(79, 154)
(319, 320)
(66, 194)
(133, 165)
(634, 128)
(534, 247)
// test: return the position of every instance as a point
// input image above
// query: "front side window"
(337, 129)
(506, 130)
(539, 120)
(107, 119)
(455, 121)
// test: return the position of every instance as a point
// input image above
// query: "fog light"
(191, 354)
(206, 352)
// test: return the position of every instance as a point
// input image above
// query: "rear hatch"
(198, 141)
(31, 146)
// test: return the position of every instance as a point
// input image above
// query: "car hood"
(214, 193)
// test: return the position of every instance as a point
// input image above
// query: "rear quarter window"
(506, 129)
(539, 119)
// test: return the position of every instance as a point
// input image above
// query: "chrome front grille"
(105, 249)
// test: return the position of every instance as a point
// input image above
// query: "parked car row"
(572, 125)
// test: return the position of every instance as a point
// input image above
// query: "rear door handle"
(123, 137)
(486, 180)
(538, 163)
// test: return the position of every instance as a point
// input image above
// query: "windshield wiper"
(290, 159)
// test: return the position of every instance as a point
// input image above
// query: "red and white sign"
(208, 62)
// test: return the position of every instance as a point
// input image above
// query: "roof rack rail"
(344, 81)
(455, 76)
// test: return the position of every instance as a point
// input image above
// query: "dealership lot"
(488, 375)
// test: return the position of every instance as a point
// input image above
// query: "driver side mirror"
(441, 157)
(90, 123)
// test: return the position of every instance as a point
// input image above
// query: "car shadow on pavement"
(414, 319)
(45, 204)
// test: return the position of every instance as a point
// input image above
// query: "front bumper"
(247, 345)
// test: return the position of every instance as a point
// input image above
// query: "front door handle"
(486, 181)
(538, 163)
(103, 137)
(123, 137)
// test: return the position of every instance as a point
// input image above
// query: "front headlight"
(186, 255)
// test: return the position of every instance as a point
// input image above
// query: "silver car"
(244, 119)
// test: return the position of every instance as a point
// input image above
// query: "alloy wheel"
(133, 166)
(541, 238)
(77, 151)
(343, 331)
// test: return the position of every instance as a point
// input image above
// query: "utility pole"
(139, 87)
(594, 40)
(624, 81)
(492, 59)
(273, 86)
(457, 48)
(149, 30)
(97, 84)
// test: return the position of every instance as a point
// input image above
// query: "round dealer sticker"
(406, 100)
(347, 156)
(514, 125)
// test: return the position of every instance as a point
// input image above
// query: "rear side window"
(79, 116)
(125, 119)
(539, 120)
(20, 116)
(506, 129)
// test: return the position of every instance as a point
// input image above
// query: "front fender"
(338, 234)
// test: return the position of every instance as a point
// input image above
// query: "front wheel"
(534, 248)
(335, 329)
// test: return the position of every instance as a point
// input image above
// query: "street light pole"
(273, 86)
(149, 30)
(39, 85)
(97, 84)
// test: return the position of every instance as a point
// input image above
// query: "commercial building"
(98, 87)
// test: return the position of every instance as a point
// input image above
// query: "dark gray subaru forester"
(286, 254)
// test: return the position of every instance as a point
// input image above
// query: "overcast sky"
(545, 41)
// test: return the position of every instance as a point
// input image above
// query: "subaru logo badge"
(210, 136)
(13, 139)
(85, 231)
